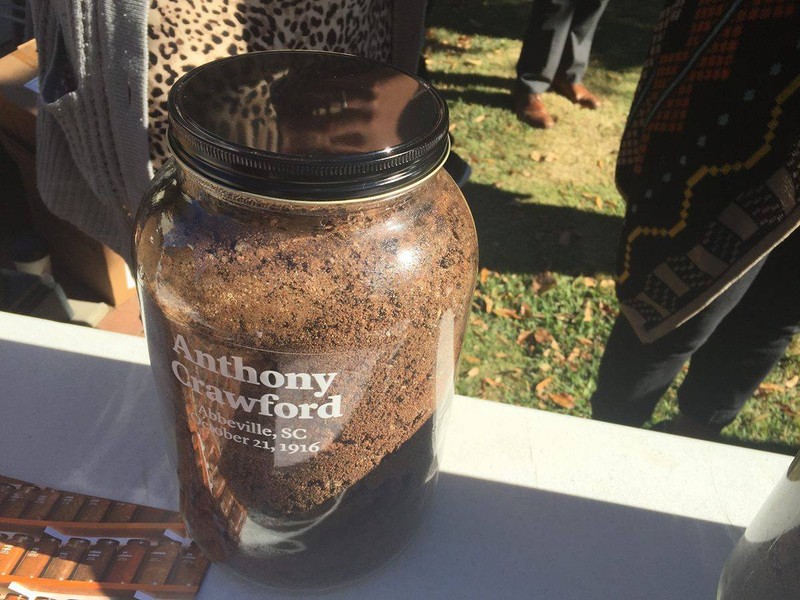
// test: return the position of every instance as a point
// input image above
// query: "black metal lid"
(307, 125)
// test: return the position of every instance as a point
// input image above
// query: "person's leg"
(543, 44)
(633, 375)
(727, 369)
(575, 57)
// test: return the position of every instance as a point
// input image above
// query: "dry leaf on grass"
(587, 312)
(473, 360)
(590, 282)
(598, 202)
(584, 341)
(542, 336)
(474, 62)
(792, 381)
(484, 275)
(500, 355)
(506, 313)
(537, 156)
(479, 323)
(542, 282)
(771, 387)
(524, 336)
(606, 283)
(540, 387)
(452, 127)
(472, 372)
(491, 382)
(488, 304)
(479, 118)
(563, 400)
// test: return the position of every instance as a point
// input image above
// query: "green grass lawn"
(548, 216)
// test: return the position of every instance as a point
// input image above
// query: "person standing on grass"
(555, 54)
(709, 258)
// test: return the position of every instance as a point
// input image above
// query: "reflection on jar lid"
(307, 125)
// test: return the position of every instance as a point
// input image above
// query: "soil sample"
(120, 512)
(127, 562)
(96, 561)
(67, 507)
(36, 559)
(16, 504)
(93, 510)
(190, 567)
(66, 559)
(5, 491)
(12, 551)
(158, 564)
(42, 504)
(305, 346)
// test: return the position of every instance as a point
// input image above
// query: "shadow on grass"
(620, 43)
(524, 237)
(469, 93)
(777, 447)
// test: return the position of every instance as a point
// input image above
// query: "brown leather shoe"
(530, 109)
(576, 93)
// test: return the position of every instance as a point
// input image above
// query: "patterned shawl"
(708, 163)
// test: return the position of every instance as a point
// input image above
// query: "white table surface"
(530, 504)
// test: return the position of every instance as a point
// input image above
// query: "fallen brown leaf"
(584, 341)
(484, 275)
(500, 355)
(590, 282)
(540, 387)
(563, 400)
(550, 157)
(587, 312)
(771, 387)
(542, 336)
(575, 354)
(479, 323)
(606, 283)
(506, 313)
(543, 282)
(473, 360)
(537, 156)
(792, 381)
(479, 118)
(491, 382)
(452, 127)
(488, 304)
(525, 310)
(598, 202)
(523, 336)
(472, 372)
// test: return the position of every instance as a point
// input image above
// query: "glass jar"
(764, 564)
(305, 268)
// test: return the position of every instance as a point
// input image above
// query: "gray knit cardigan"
(92, 147)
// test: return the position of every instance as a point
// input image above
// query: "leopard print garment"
(183, 34)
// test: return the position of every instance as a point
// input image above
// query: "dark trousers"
(732, 345)
(558, 42)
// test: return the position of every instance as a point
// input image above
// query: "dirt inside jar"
(342, 324)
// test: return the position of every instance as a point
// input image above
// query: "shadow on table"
(524, 237)
(78, 426)
(485, 539)
(88, 423)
